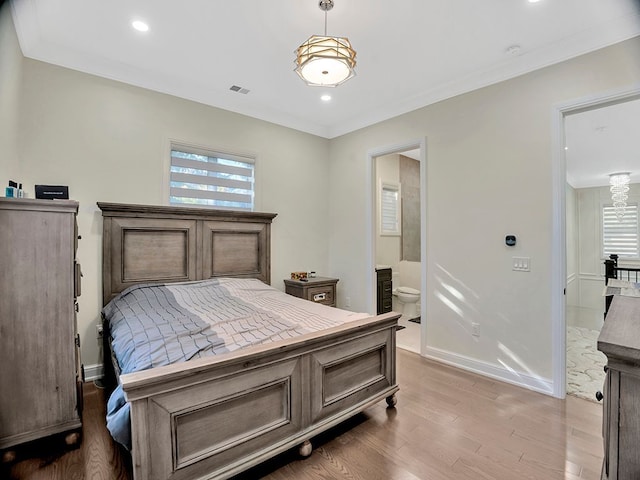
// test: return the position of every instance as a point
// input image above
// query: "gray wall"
(410, 181)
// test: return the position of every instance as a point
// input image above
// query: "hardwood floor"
(448, 424)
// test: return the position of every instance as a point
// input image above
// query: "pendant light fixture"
(619, 192)
(325, 61)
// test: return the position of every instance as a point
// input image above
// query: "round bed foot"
(305, 449)
(72, 439)
(391, 400)
(9, 456)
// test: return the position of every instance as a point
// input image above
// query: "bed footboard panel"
(201, 428)
(351, 372)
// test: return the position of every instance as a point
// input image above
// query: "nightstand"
(319, 290)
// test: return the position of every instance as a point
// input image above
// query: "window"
(389, 209)
(620, 236)
(206, 178)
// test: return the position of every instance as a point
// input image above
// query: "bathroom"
(398, 239)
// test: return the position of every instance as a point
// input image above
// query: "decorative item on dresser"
(216, 416)
(619, 340)
(317, 289)
(41, 390)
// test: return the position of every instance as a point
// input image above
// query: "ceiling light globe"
(140, 26)
(326, 72)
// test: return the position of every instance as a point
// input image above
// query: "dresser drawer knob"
(599, 395)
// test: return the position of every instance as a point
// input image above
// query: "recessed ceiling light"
(140, 26)
(325, 97)
(534, 1)
(513, 50)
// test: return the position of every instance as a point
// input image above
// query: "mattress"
(153, 325)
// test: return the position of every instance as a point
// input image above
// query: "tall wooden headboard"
(147, 244)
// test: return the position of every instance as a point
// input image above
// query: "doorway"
(580, 194)
(397, 176)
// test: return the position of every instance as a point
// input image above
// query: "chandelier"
(619, 192)
(324, 61)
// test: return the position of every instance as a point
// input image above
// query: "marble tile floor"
(585, 363)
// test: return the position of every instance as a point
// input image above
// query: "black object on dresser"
(384, 296)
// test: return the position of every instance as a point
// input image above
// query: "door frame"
(558, 250)
(371, 224)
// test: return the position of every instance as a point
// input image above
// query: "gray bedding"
(161, 324)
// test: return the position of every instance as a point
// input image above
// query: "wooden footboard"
(215, 417)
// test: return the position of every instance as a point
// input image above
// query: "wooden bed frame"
(218, 416)
(612, 270)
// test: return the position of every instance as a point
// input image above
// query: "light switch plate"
(521, 264)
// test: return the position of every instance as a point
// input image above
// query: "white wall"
(572, 246)
(489, 174)
(10, 80)
(109, 142)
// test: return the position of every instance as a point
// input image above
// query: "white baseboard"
(538, 384)
(93, 372)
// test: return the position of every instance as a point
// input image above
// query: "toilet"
(409, 297)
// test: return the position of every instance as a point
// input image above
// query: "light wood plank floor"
(448, 424)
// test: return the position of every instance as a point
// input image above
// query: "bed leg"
(9, 456)
(72, 438)
(392, 400)
(304, 450)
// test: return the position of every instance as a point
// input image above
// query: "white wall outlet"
(521, 264)
(99, 330)
(347, 302)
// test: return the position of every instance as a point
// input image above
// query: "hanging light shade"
(323, 60)
(619, 192)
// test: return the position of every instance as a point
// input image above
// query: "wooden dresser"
(40, 379)
(318, 289)
(619, 340)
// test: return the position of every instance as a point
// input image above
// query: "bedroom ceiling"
(603, 141)
(410, 52)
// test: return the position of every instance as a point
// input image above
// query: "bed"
(617, 278)
(216, 416)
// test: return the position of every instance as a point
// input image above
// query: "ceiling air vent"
(238, 89)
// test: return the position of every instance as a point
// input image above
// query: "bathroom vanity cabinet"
(619, 340)
(384, 295)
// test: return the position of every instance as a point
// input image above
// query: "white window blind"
(390, 209)
(620, 236)
(200, 177)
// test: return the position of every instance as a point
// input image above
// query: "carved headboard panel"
(146, 244)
